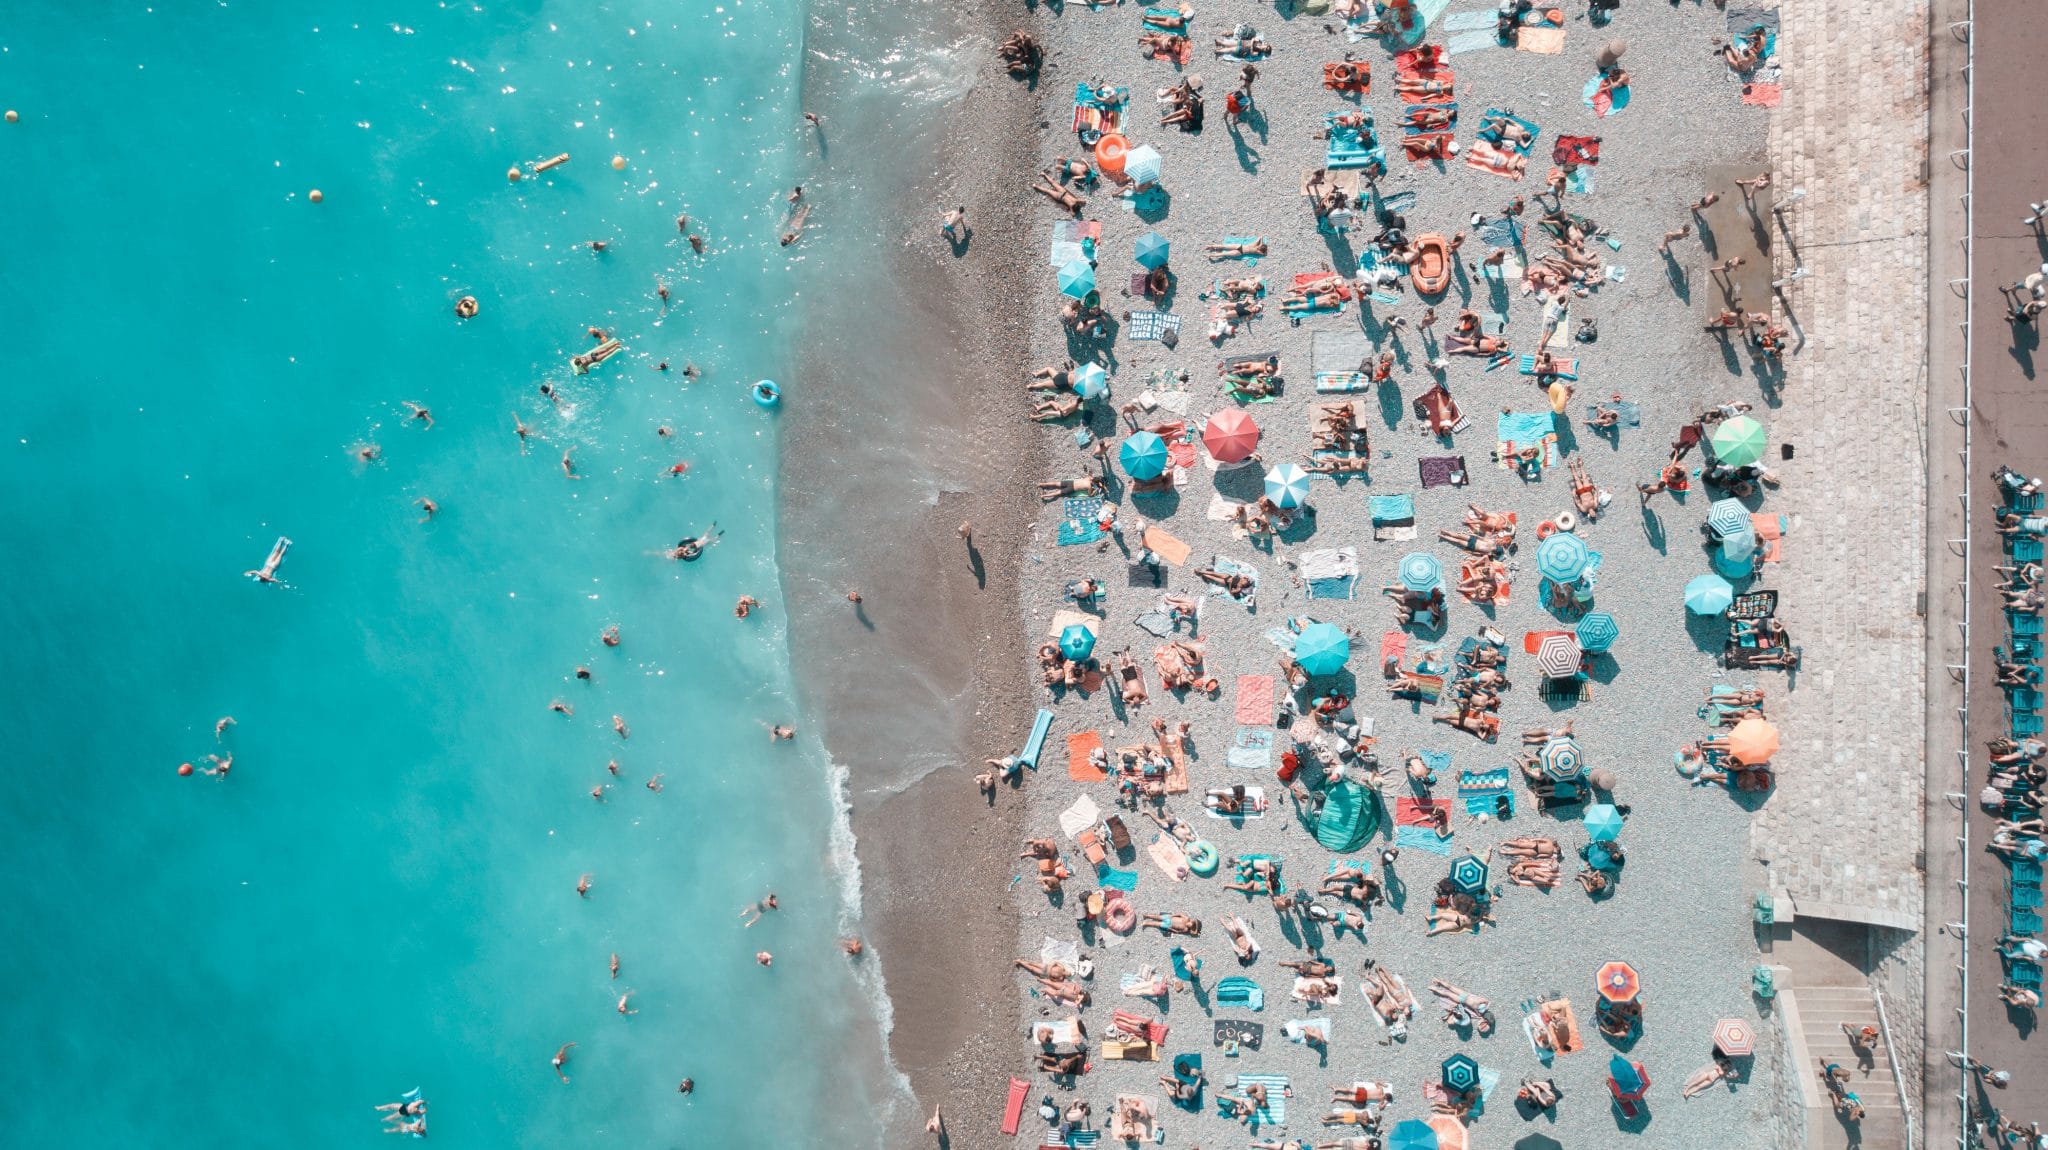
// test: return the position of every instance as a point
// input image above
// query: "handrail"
(1898, 1078)
(1964, 1136)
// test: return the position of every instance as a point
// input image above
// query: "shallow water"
(382, 895)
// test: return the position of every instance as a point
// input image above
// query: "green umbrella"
(1077, 642)
(1322, 649)
(1739, 442)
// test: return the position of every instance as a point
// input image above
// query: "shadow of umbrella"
(1538, 1142)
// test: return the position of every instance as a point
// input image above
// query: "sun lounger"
(2026, 548)
(2026, 897)
(1013, 1109)
(2027, 871)
(2025, 626)
(1036, 743)
(2023, 922)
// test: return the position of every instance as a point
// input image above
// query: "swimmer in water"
(680, 467)
(548, 389)
(688, 550)
(417, 1126)
(561, 708)
(654, 784)
(619, 726)
(268, 572)
(221, 725)
(220, 767)
(615, 964)
(664, 431)
(610, 638)
(661, 289)
(569, 464)
(623, 999)
(598, 245)
(521, 430)
(759, 909)
(696, 243)
(561, 1057)
(583, 886)
(368, 453)
(777, 734)
(428, 506)
(853, 597)
(852, 946)
(764, 958)
(597, 792)
(682, 223)
(745, 606)
(419, 413)
(686, 1086)
(583, 673)
(613, 767)
(690, 370)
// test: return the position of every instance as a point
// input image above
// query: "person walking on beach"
(954, 224)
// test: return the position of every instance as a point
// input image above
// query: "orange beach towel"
(1079, 748)
(1166, 546)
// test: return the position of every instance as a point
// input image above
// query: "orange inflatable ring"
(1545, 529)
(1110, 151)
(1120, 915)
(1343, 73)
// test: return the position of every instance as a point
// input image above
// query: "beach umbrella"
(1152, 250)
(1287, 485)
(1091, 381)
(1412, 1134)
(1143, 456)
(1461, 1072)
(1753, 742)
(1322, 649)
(1603, 822)
(1421, 573)
(1141, 167)
(1734, 1038)
(1538, 1142)
(1728, 517)
(1450, 1133)
(1739, 442)
(1561, 759)
(1077, 278)
(1627, 1079)
(1558, 655)
(1077, 642)
(1598, 631)
(1468, 874)
(1707, 594)
(1231, 436)
(1562, 558)
(1618, 982)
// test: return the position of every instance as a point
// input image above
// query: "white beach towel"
(1079, 817)
(1329, 563)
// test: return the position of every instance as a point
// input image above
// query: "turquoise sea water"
(382, 895)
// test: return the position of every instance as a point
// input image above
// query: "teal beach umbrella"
(1287, 485)
(1077, 642)
(1143, 456)
(1322, 649)
(1411, 1134)
(1738, 442)
(1598, 631)
(1708, 595)
(1152, 250)
(1091, 381)
(1603, 822)
(1142, 165)
(1461, 1071)
(1420, 572)
(1468, 874)
(1077, 278)
(1562, 558)
(1728, 517)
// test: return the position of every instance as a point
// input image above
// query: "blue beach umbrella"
(1091, 381)
(1728, 517)
(1077, 278)
(1287, 485)
(1468, 874)
(1077, 642)
(1143, 456)
(1562, 558)
(1141, 165)
(1735, 558)
(1708, 595)
(1598, 631)
(1322, 649)
(1152, 250)
(1420, 572)
(1411, 1134)
(1461, 1071)
(1603, 822)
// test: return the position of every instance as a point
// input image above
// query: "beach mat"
(1414, 812)
(1079, 747)
(1252, 749)
(1164, 545)
(1079, 817)
(1421, 839)
(1441, 471)
(1255, 700)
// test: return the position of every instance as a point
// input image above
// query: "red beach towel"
(1412, 812)
(1255, 700)
(1079, 747)
(1393, 645)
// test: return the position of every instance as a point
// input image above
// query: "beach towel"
(1770, 535)
(1238, 990)
(1762, 95)
(1081, 523)
(1157, 541)
(1300, 985)
(1137, 1025)
(1110, 878)
(1392, 510)
(1013, 1107)
(1242, 241)
(1254, 805)
(1255, 700)
(1565, 369)
(1572, 150)
(1274, 1112)
(1075, 532)
(1331, 573)
(1540, 39)
(1246, 1034)
(1410, 811)
(1481, 791)
(1252, 749)
(1393, 645)
(1604, 104)
(1151, 325)
(1079, 817)
(1299, 1029)
(1342, 382)
(1572, 1043)
(1441, 471)
(1421, 839)
(1156, 623)
(1079, 747)
(1629, 411)
(1167, 855)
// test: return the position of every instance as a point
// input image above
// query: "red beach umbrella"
(1618, 982)
(1231, 436)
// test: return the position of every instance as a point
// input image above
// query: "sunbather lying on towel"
(1241, 939)
(1051, 489)
(1462, 1007)
(1061, 1065)
(1390, 999)
(1059, 195)
(1472, 721)
(1428, 117)
(1242, 43)
(1339, 465)
(1746, 53)
(1173, 923)
(1504, 130)
(1496, 159)
(1476, 542)
(1477, 345)
(1163, 45)
(1236, 250)
(1239, 586)
(1159, 18)
(1057, 408)
(1051, 378)
(1418, 86)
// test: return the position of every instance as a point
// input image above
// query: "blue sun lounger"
(2023, 922)
(2026, 897)
(1036, 743)
(2023, 699)
(2026, 870)
(2026, 626)
(2024, 724)
(2026, 549)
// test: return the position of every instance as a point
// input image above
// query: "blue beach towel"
(1568, 369)
(1525, 427)
(1080, 525)
(1422, 839)
(1274, 1112)
(1252, 260)
(1527, 125)
(1238, 990)
(1252, 749)
(1338, 587)
(1109, 876)
(1392, 510)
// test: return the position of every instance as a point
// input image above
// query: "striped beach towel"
(1274, 1112)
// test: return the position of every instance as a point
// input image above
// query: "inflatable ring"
(1120, 916)
(1201, 857)
(1546, 529)
(766, 393)
(1110, 152)
(1566, 521)
(1343, 73)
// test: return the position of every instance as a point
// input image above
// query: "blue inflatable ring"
(767, 394)
(1201, 858)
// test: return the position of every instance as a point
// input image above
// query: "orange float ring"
(1343, 73)
(1546, 529)
(1110, 152)
(1120, 915)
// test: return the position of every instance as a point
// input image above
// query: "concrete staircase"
(1815, 1015)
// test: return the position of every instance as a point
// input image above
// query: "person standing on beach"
(954, 224)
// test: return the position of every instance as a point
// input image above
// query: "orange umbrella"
(1618, 982)
(1231, 436)
(1753, 742)
(1450, 1133)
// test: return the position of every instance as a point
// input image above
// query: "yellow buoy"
(618, 163)
(513, 173)
(315, 195)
